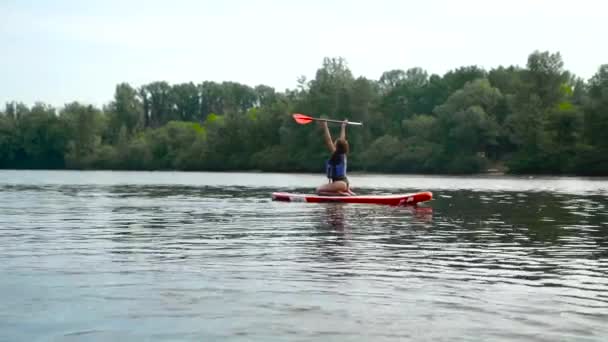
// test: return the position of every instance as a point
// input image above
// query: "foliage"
(534, 119)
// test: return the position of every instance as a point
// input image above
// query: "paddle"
(305, 119)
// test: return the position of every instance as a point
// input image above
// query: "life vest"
(338, 169)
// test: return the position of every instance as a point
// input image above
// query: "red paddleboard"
(405, 199)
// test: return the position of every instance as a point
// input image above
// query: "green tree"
(265, 96)
(187, 101)
(403, 96)
(422, 149)
(158, 103)
(84, 126)
(124, 111)
(596, 109)
(542, 103)
(212, 99)
(43, 137)
(328, 93)
(238, 98)
(564, 129)
(545, 77)
(592, 157)
(391, 79)
(457, 78)
(467, 120)
(9, 145)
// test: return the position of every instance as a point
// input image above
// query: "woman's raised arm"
(327, 136)
(343, 130)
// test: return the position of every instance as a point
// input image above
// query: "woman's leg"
(349, 190)
(339, 188)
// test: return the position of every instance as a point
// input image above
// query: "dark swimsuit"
(343, 179)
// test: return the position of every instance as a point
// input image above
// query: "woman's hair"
(341, 148)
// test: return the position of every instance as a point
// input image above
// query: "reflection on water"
(100, 260)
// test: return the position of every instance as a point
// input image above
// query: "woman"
(336, 165)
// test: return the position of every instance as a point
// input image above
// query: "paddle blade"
(302, 119)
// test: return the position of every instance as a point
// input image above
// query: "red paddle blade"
(302, 119)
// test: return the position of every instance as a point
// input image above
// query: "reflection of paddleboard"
(405, 199)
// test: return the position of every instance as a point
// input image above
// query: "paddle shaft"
(338, 121)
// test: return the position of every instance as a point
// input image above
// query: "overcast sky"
(65, 50)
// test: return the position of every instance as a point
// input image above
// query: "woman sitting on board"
(336, 165)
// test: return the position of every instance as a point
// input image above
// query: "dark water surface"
(132, 256)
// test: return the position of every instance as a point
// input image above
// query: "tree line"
(535, 119)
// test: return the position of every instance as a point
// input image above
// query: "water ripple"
(202, 262)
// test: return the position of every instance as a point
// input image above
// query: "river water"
(157, 256)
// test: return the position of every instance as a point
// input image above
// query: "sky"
(71, 50)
